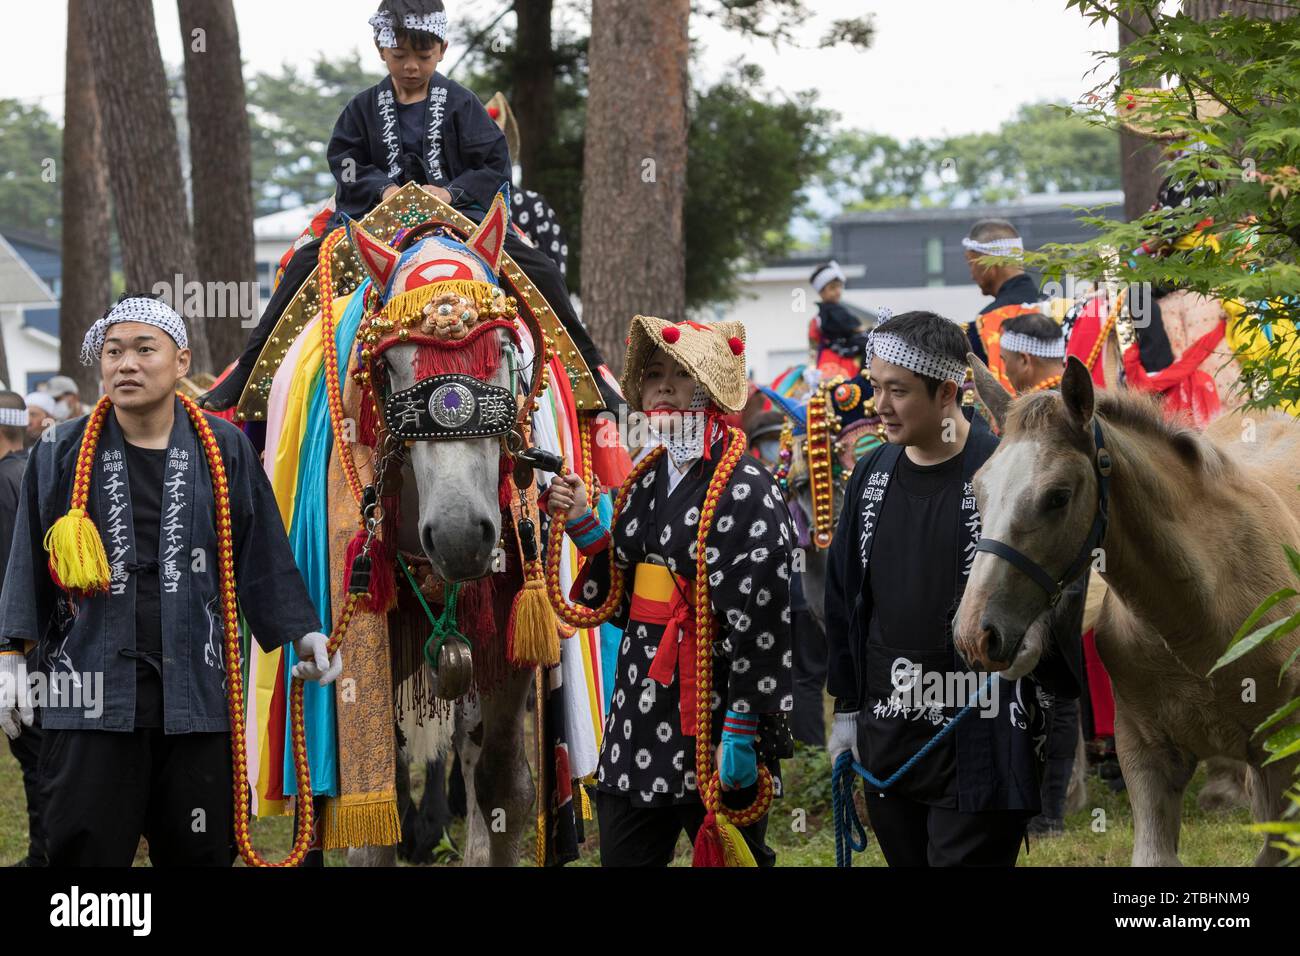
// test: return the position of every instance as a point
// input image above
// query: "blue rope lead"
(850, 834)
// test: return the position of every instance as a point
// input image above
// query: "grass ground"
(802, 833)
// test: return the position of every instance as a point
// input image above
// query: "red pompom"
(493, 112)
(671, 333)
(737, 346)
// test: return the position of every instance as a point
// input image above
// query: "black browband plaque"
(449, 407)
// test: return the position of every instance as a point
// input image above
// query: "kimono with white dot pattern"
(644, 755)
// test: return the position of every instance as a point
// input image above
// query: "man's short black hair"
(1033, 324)
(928, 332)
(986, 229)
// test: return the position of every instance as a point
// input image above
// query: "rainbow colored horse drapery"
(298, 443)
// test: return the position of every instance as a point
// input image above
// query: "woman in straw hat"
(694, 489)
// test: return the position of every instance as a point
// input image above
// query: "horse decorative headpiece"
(441, 295)
(447, 305)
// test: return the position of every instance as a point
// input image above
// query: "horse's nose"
(996, 649)
(487, 534)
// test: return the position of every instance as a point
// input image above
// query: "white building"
(28, 315)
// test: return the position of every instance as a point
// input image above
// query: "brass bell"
(455, 672)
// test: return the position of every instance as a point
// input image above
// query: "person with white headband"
(899, 561)
(118, 579)
(26, 747)
(418, 126)
(1007, 282)
(837, 333)
(41, 409)
(1033, 352)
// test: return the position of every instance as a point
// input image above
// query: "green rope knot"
(444, 625)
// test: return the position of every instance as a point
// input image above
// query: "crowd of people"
(137, 612)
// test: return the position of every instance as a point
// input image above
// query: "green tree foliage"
(293, 113)
(750, 159)
(751, 155)
(1044, 148)
(31, 151)
(1247, 67)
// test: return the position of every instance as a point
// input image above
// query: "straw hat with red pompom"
(1151, 111)
(714, 354)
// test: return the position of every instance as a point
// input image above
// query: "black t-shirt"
(914, 554)
(913, 578)
(410, 126)
(145, 468)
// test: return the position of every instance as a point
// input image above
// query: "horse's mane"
(1131, 410)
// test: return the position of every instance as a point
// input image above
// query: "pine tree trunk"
(86, 269)
(144, 167)
(634, 168)
(1209, 9)
(1139, 156)
(534, 85)
(220, 170)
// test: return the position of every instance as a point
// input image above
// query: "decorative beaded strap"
(235, 668)
(818, 450)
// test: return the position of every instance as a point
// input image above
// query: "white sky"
(937, 66)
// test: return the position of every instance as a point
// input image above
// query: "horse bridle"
(1101, 465)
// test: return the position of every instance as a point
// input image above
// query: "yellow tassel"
(77, 558)
(532, 634)
(735, 851)
(356, 824)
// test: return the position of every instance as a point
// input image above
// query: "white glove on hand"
(15, 701)
(314, 662)
(844, 736)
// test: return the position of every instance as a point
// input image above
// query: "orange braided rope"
(1052, 381)
(235, 669)
(707, 779)
(333, 388)
(1106, 328)
(576, 614)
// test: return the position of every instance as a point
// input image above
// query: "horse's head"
(1037, 495)
(442, 358)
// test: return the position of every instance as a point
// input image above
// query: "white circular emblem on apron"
(451, 405)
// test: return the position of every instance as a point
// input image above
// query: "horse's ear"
(490, 237)
(378, 257)
(1077, 390)
(990, 391)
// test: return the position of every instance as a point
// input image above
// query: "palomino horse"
(1192, 544)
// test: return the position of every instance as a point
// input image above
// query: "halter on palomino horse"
(438, 385)
(1189, 529)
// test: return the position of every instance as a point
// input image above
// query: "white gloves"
(314, 662)
(15, 701)
(844, 736)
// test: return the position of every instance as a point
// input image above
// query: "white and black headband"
(1006, 246)
(826, 275)
(895, 351)
(1032, 345)
(13, 416)
(133, 308)
(384, 25)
